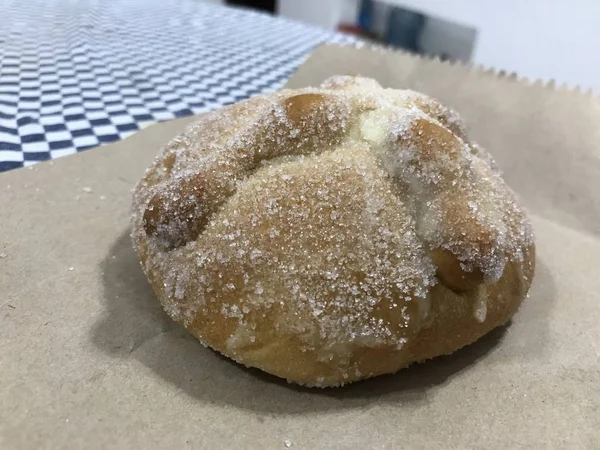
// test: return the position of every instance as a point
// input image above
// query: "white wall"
(547, 39)
(444, 37)
(324, 13)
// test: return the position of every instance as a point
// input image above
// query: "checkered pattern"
(77, 74)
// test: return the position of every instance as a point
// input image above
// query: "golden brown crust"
(329, 235)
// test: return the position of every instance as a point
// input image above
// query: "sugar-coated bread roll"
(331, 234)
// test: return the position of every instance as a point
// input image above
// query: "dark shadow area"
(135, 326)
(269, 6)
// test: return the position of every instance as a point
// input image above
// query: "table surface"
(75, 74)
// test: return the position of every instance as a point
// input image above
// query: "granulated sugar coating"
(332, 234)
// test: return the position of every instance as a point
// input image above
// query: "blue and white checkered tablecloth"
(75, 74)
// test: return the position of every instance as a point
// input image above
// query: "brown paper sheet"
(89, 360)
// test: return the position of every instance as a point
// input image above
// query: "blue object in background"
(404, 29)
(365, 15)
